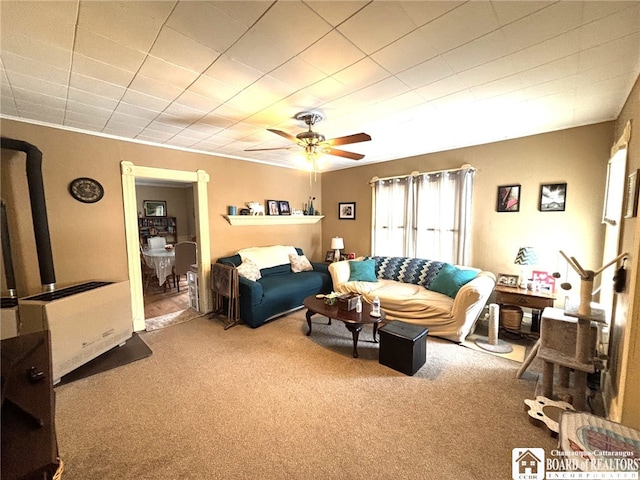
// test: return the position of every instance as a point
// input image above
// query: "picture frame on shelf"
(329, 256)
(347, 210)
(632, 195)
(272, 207)
(508, 198)
(507, 280)
(553, 197)
(155, 208)
(283, 207)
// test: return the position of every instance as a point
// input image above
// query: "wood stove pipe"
(38, 209)
(6, 254)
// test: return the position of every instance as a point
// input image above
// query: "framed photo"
(272, 207)
(553, 197)
(508, 198)
(507, 280)
(544, 281)
(155, 208)
(347, 210)
(283, 207)
(632, 195)
(329, 256)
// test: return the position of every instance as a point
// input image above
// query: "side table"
(536, 301)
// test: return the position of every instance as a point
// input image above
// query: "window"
(424, 215)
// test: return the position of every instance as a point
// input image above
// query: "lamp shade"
(526, 256)
(337, 243)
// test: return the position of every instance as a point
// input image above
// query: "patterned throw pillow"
(407, 270)
(249, 270)
(299, 263)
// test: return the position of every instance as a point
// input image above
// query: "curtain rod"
(415, 173)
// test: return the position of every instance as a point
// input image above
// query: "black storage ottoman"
(403, 346)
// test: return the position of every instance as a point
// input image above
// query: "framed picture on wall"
(553, 197)
(155, 208)
(508, 198)
(347, 210)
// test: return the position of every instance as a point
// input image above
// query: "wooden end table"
(352, 320)
(524, 298)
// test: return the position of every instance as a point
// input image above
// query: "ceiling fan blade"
(284, 134)
(343, 153)
(355, 138)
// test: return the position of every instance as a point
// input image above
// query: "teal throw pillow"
(451, 279)
(363, 271)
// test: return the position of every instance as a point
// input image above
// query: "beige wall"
(179, 204)
(577, 156)
(88, 240)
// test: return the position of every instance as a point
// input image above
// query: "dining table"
(162, 261)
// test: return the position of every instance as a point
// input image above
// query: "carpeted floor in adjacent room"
(272, 403)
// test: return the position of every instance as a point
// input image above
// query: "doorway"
(199, 181)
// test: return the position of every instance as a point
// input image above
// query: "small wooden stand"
(224, 285)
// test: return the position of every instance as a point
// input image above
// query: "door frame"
(200, 179)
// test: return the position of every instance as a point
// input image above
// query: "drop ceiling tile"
(119, 129)
(599, 10)
(91, 84)
(139, 122)
(282, 26)
(487, 48)
(362, 74)
(388, 19)
(214, 90)
(425, 12)
(327, 89)
(407, 52)
(497, 88)
(88, 98)
(249, 50)
(51, 23)
(508, 12)
(610, 52)
(147, 102)
(216, 120)
(620, 24)
(187, 114)
(167, 73)
(547, 51)
(232, 72)
(155, 88)
(163, 127)
(336, 12)
(107, 51)
(441, 88)
(135, 24)
(91, 68)
(463, 24)
(39, 85)
(426, 72)
(170, 46)
(153, 136)
(557, 19)
(143, 115)
(489, 72)
(332, 54)
(41, 113)
(33, 50)
(208, 23)
(297, 73)
(79, 120)
(37, 98)
(197, 102)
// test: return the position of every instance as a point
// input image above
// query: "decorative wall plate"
(86, 190)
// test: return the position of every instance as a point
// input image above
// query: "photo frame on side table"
(553, 197)
(155, 208)
(507, 280)
(508, 198)
(347, 210)
(329, 256)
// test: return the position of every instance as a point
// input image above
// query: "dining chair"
(186, 255)
(148, 273)
(156, 242)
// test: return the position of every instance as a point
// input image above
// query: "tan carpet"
(170, 319)
(272, 403)
(517, 353)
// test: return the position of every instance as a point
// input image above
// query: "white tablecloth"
(162, 261)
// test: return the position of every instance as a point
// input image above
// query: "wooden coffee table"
(352, 320)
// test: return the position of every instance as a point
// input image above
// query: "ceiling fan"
(315, 143)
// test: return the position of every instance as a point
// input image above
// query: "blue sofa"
(278, 291)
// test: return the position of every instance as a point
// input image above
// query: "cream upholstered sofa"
(444, 298)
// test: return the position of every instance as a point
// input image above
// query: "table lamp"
(526, 257)
(337, 243)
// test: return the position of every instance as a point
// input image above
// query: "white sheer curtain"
(425, 216)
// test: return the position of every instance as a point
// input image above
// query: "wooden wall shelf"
(238, 220)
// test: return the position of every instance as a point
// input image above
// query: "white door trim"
(200, 178)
